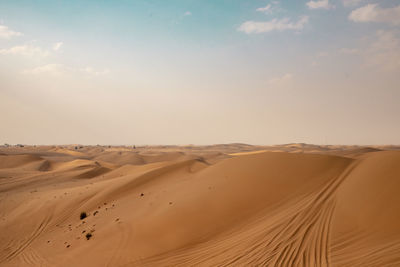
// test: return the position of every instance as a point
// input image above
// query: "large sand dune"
(221, 205)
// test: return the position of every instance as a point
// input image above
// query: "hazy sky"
(200, 72)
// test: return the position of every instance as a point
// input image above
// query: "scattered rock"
(83, 215)
(88, 236)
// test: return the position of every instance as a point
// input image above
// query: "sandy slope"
(301, 205)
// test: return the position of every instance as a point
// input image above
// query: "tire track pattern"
(297, 235)
(18, 248)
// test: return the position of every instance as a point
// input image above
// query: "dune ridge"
(220, 205)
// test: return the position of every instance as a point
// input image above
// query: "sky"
(199, 72)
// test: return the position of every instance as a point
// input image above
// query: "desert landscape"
(219, 205)
(200, 133)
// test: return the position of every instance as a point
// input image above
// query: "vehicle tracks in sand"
(18, 248)
(297, 235)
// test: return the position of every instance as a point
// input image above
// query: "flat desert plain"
(220, 205)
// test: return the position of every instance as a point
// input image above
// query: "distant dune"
(219, 205)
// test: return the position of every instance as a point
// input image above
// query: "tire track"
(26, 243)
(125, 234)
(297, 235)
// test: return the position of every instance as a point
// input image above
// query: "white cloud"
(25, 50)
(269, 8)
(281, 81)
(57, 69)
(266, 9)
(57, 46)
(321, 4)
(187, 13)
(6, 33)
(48, 69)
(348, 3)
(272, 25)
(374, 13)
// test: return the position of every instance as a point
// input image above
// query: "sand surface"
(220, 205)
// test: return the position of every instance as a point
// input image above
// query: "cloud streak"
(374, 13)
(251, 27)
(60, 69)
(321, 4)
(54, 69)
(25, 50)
(281, 81)
(6, 33)
(269, 8)
(266, 9)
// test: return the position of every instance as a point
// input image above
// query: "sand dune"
(221, 205)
